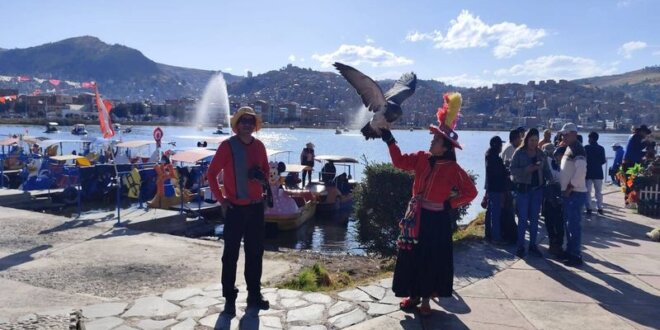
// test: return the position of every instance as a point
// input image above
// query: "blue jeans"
(528, 207)
(573, 208)
(493, 214)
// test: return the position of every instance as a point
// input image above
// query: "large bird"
(386, 107)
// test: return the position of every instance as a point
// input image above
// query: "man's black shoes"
(258, 301)
(230, 307)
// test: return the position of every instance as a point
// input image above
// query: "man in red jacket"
(244, 162)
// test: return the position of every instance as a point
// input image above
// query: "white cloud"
(292, 58)
(465, 80)
(360, 55)
(469, 31)
(227, 69)
(556, 67)
(369, 40)
(630, 47)
(435, 36)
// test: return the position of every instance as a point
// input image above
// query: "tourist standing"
(496, 186)
(547, 138)
(552, 208)
(530, 170)
(425, 268)
(510, 148)
(595, 161)
(307, 159)
(572, 177)
(244, 162)
(618, 159)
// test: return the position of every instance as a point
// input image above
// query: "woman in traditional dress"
(425, 266)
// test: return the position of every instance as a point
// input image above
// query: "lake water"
(322, 234)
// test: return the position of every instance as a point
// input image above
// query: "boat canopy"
(135, 144)
(296, 168)
(8, 142)
(52, 123)
(335, 159)
(193, 155)
(50, 142)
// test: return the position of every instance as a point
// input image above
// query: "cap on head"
(495, 141)
(309, 145)
(569, 127)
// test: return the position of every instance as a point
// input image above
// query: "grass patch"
(476, 229)
(317, 278)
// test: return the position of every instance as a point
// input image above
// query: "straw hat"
(242, 112)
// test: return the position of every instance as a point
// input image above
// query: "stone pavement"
(617, 288)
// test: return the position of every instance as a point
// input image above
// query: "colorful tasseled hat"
(448, 118)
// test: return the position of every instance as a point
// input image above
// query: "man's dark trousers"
(243, 222)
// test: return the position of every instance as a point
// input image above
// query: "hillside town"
(302, 97)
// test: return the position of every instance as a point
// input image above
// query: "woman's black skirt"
(428, 269)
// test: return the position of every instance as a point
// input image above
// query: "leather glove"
(386, 135)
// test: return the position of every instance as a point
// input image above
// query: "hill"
(125, 73)
(640, 84)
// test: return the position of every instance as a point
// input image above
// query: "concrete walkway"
(618, 287)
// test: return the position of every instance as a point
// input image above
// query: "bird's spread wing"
(371, 94)
(402, 89)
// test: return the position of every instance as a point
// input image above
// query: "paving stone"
(486, 288)
(307, 314)
(214, 287)
(268, 290)
(270, 322)
(394, 321)
(213, 294)
(310, 327)
(124, 327)
(103, 310)
(354, 294)
(104, 323)
(192, 313)
(390, 300)
(318, 298)
(241, 297)
(386, 283)
(285, 293)
(569, 315)
(3, 320)
(200, 302)
(188, 324)
(374, 291)
(151, 307)
(344, 320)
(271, 312)
(380, 309)
(290, 303)
(272, 297)
(220, 321)
(155, 325)
(181, 294)
(340, 307)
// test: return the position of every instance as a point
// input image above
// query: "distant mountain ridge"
(123, 72)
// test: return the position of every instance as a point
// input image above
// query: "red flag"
(104, 107)
(54, 82)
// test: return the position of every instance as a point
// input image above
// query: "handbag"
(409, 224)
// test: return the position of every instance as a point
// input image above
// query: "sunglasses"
(247, 121)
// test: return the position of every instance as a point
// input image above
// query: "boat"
(128, 129)
(346, 129)
(289, 211)
(79, 129)
(219, 130)
(138, 151)
(335, 192)
(337, 130)
(292, 127)
(116, 127)
(52, 127)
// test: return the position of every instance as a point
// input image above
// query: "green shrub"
(315, 278)
(380, 201)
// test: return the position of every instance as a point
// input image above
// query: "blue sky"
(466, 43)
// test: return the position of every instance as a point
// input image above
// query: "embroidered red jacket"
(437, 183)
(255, 156)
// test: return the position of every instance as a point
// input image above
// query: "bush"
(315, 278)
(380, 201)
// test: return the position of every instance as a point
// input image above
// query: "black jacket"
(497, 175)
(595, 161)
